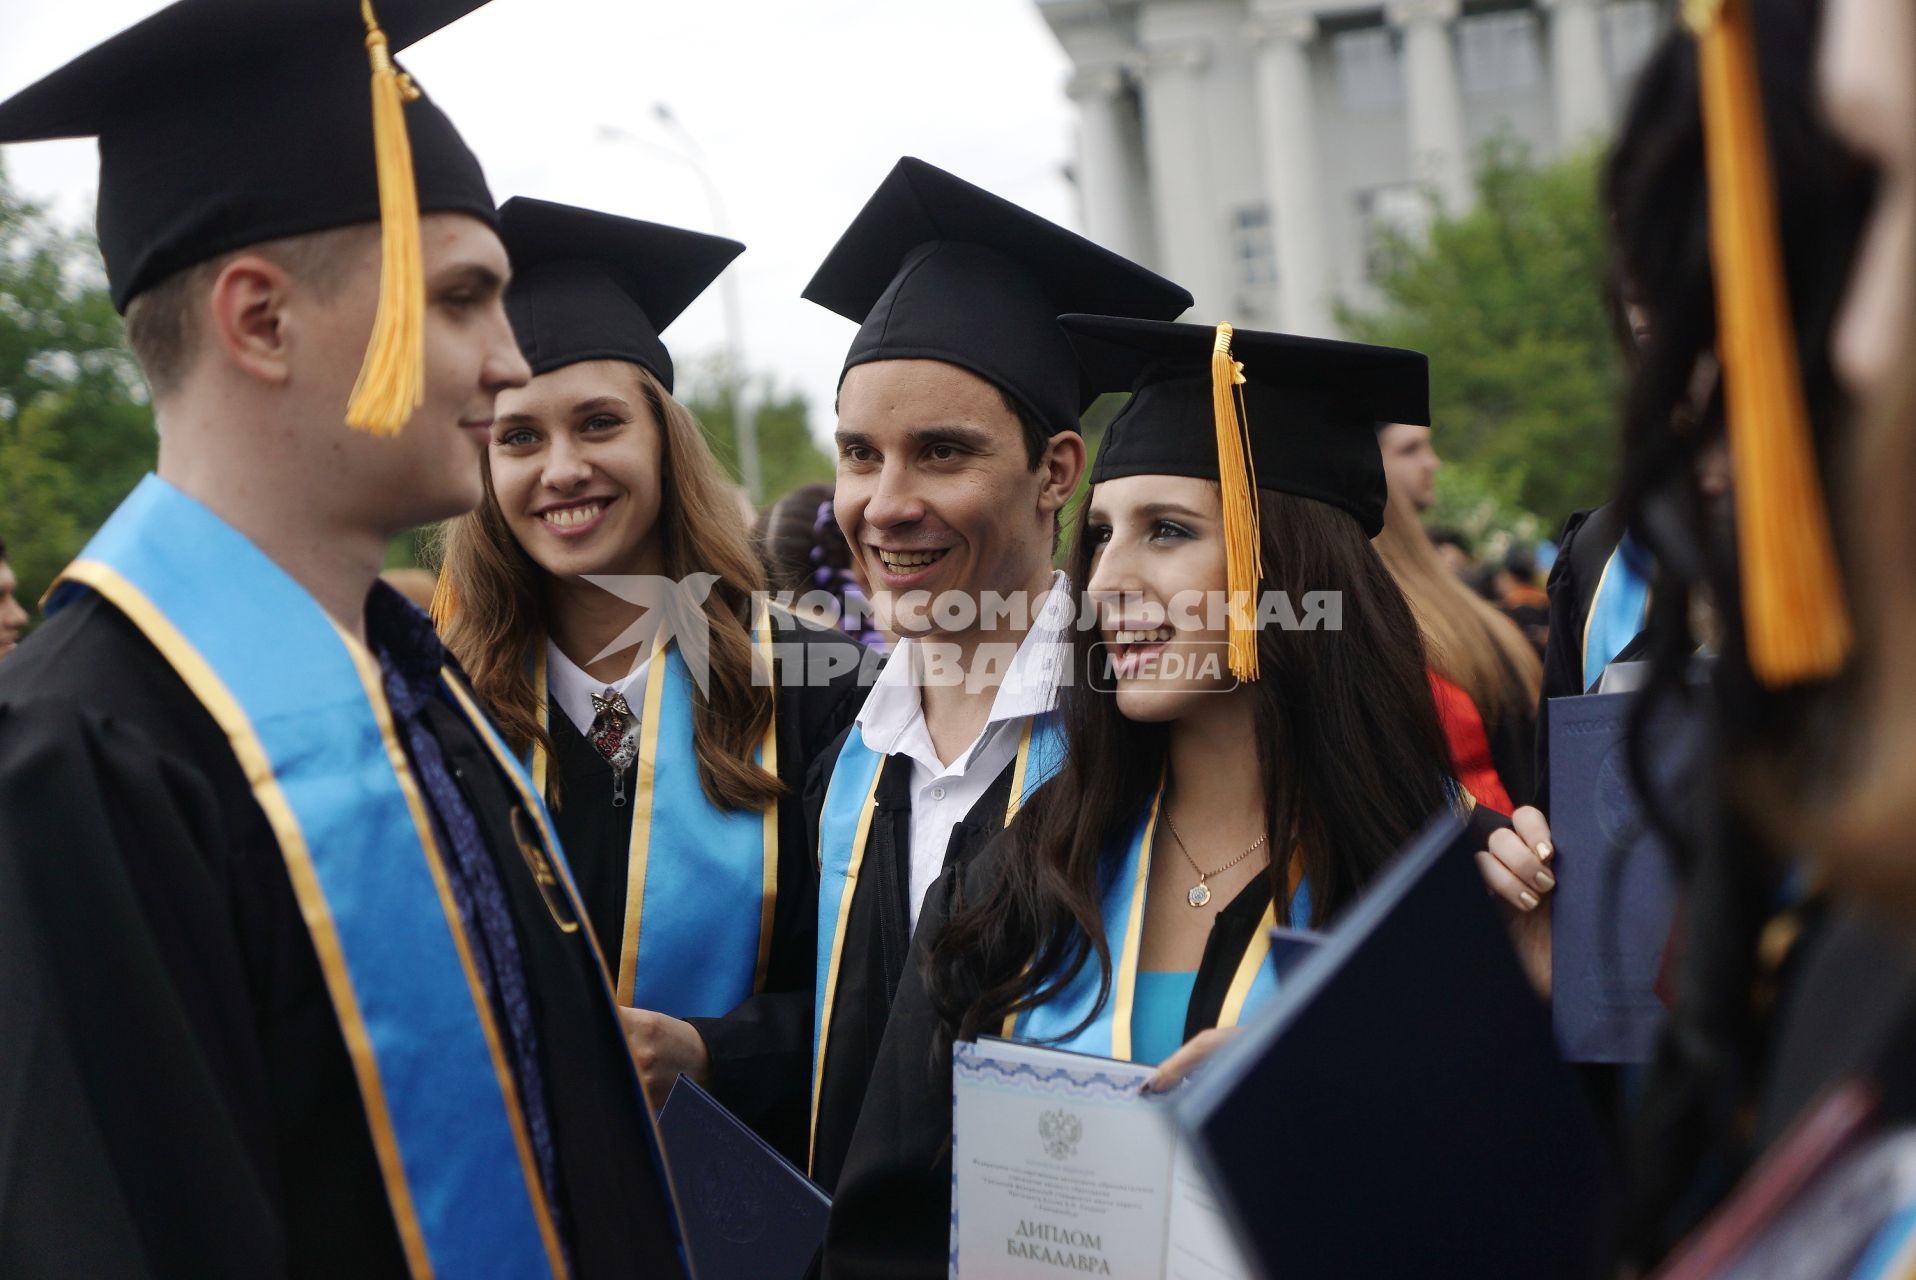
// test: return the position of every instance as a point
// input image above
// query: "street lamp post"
(734, 388)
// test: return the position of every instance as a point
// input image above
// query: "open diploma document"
(1061, 1166)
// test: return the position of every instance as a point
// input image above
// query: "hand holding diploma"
(664, 1048)
(1173, 1070)
(1515, 866)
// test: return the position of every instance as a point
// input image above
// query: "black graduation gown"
(175, 1094)
(1847, 1007)
(1844, 1009)
(762, 1051)
(891, 1215)
(1589, 537)
(878, 941)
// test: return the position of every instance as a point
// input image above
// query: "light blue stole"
(1617, 610)
(1107, 1023)
(844, 828)
(701, 882)
(304, 706)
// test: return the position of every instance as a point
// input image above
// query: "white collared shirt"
(893, 722)
(572, 688)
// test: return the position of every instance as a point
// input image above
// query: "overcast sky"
(798, 106)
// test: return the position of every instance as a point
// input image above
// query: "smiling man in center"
(958, 447)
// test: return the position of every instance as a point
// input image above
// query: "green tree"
(1508, 301)
(76, 432)
(787, 455)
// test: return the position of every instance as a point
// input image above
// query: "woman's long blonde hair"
(1469, 643)
(501, 605)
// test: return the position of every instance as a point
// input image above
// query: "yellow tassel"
(392, 380)
(1796, 622)
(445, 602)
(1237, 482)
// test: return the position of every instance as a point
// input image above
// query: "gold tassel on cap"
(1796, 623)
(1237, 482)
(392, 380)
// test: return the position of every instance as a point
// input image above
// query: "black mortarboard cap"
(1312, 406)
(228, 123)
(594, 286)
(934, 268)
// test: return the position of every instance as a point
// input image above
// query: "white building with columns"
(1252, 149)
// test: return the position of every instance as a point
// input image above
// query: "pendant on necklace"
(1200, 894)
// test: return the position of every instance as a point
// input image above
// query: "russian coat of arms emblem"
(1060, 1132)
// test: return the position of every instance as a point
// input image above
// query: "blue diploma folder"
(747, 1212)
(1398, 1108)
(1616, 892)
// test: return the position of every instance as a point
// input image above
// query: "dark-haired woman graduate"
(1218, 779)
(670, 757)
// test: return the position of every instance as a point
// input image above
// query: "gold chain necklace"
(1200, 893)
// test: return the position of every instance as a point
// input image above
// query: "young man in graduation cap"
(294, 976)
(958, 446)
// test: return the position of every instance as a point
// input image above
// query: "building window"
(1499, 52)
(1253, 247)
(1394, 219)
(1366, 65)
(1631, 29)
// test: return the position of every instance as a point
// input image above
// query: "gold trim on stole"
(1124, 997)
(1019, 765)
(859, 838)
(1124, 982)
(219, 701)
(536, 807)
(371, 676)
(639, 847)
(539, 763)
(639, 844)
(1256, 952)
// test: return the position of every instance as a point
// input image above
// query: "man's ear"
(247, 311)
(1060, 467)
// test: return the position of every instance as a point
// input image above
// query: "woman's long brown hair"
(1353, 758)
(502, 608)
(1469, 643)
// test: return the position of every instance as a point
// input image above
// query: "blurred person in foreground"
(1716, 378)
(1842, 1055)
(1868, 87)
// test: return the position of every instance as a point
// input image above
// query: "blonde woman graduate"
(608, 604)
